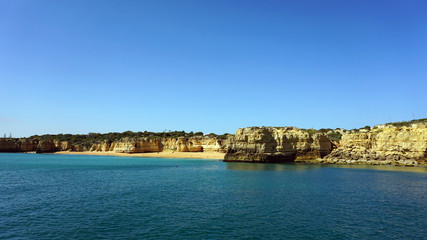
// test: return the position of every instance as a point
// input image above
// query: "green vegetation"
(213, 135)
(310, 131)
(334, 136)
(91, 138)
(407, 123)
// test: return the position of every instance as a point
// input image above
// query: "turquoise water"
(105, 197)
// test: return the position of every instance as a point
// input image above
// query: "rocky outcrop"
(49, 146)
(276, 144)
(100, 147)
(182, 144)
(136, 146)
(383, 144)
(46, 146)
(17, 145)
(27, 145)
(193, 144)
(63, 146)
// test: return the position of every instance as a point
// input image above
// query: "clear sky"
(211, 66)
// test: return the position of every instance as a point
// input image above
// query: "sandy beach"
(205, 155)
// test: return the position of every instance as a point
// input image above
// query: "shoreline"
(199, 155)
(220, 156)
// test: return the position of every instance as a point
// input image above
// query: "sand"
(205, 155)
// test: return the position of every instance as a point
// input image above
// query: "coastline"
(201, 155)
(220, 156)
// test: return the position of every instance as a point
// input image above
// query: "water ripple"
(93, 197)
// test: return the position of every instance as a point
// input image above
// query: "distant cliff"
(17, 145)
(125, 145)
(142, 145)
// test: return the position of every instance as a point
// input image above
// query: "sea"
(48, 196)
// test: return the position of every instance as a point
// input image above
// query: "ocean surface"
(105, 197)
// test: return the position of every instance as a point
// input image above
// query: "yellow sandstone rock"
(383, 144)
(276, 144)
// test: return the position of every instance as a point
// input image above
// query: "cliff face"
(26, 145)
(276, 144)
(17, 145)
(193, 144)
(383, 144)
(142, 145)
(49, 146)
(135, 146)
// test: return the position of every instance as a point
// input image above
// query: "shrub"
(335, 136)
(407, 123)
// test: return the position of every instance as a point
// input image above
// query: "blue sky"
(211, 66)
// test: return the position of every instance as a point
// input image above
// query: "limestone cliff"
(17, 145)
(193, 144)
(49, 146)
(126, 145)
(182, 144)
(383, 144)
(276, 144)
(135, 146)
(46, 146)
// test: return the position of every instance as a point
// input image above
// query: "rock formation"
(136, 146)
(17, 145)
(193, 144)
(383, 144)
(126, 145)
(276, 144)
(46, 146)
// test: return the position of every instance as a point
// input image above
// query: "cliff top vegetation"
(407, 123)
(115, 136)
